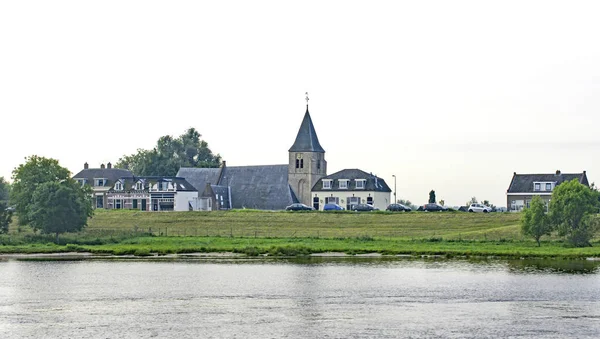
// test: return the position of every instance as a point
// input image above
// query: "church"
(303, 179)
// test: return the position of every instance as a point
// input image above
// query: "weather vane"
(306, 98)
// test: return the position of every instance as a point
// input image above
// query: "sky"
(452, 96)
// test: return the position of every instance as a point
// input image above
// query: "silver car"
(479, 208)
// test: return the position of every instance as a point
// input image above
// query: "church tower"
(306, 160)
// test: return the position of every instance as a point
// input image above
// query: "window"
(139, 185)
(301, 163)
(118, 186)
(343, 183)
(332, 200)
(135, 204)
(99, 201)
(360, 183)
(548, 186)
(99, 182)
(370, 201)
(118, 204)
(537, 187)
(327, 184)
(164, 186)
(299, 160)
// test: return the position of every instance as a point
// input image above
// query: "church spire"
(307, 140)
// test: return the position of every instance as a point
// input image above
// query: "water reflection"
(300, 298)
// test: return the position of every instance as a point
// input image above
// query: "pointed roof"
(306, 140)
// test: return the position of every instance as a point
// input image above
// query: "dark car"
(332, 207)
(364, 208)
(398, 208)
(299, 207)
(434, 208)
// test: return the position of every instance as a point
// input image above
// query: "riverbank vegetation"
(256, 233)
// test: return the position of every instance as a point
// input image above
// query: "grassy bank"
(284, 233)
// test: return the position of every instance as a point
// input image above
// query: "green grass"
(291, 234)
(251, 223)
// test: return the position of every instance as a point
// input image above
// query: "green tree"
(4, 189)
(407, 203)
(59, 207)
(572, 209)
(432, 197)
(5, 218)
(28, 176)
(472, 201)
(170, 154)
(534, 221)
(442, 202)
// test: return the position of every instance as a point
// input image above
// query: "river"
(304, 298)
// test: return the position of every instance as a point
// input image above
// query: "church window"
(301, 163)
(297, 163)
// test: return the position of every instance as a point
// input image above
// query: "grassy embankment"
(285, 233)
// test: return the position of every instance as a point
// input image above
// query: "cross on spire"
(307, 99)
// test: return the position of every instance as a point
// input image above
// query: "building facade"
(523, 187)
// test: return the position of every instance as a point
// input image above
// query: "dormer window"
(327, 184)
(139, 186)
(119, 186)
(99, 182)
(360, 184)
(343, 183)
(536, 186)
(548, 186)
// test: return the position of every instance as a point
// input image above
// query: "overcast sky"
(453, 96)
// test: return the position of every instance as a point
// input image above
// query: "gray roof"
(373, 183)
(199, 177)
(523, 183)
(259, 187)
(111, 174)
(306, 140)
(181, 185)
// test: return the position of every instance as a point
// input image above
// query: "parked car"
(333, 207)
(364, 208)
(479, 208)
(398, 208)
(434, 208)
(299, 207)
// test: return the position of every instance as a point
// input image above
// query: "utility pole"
(395, 199)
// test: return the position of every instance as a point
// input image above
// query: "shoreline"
(76, 256)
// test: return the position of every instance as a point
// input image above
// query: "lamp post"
(395, 199)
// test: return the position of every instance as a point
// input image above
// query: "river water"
(311, 298)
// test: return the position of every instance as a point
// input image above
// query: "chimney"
(109, 165)
(86, 166)
(102, 166)
(223, 163)
(557, 172)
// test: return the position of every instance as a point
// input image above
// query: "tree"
(442, 202)
(472, 201)
(170, 154)
(5, 218)
(59, 207)
(4, 189)
(534, 221)
(572, 209)
(488, 204)
(432, 197)
(407, 203)
(28, 176)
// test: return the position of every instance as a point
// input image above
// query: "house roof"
(523, 183)
(260, 187)
(306, 140)
(199, 177)
(181, 185)
(373, 182)
(110, 174)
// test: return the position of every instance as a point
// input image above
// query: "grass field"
(297, 233)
